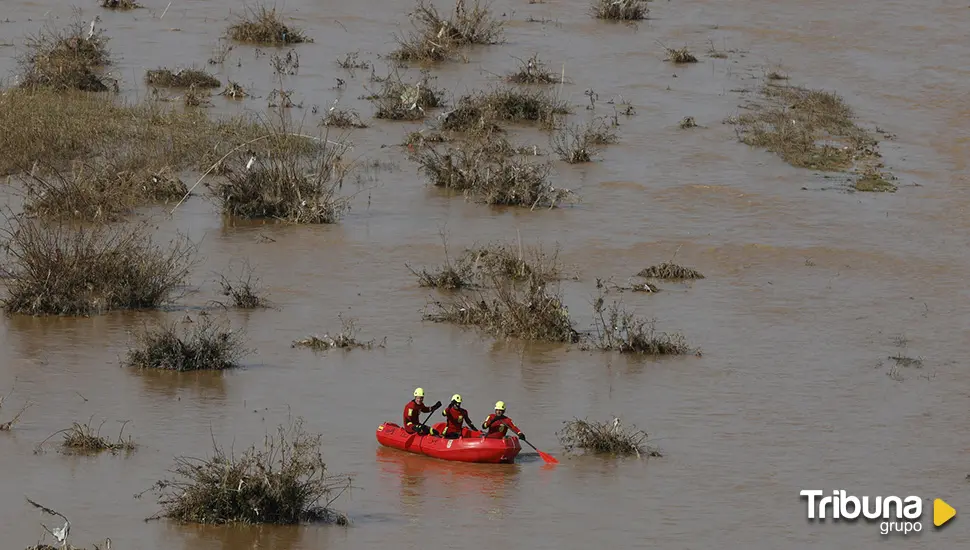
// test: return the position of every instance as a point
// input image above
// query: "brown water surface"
(804, 293)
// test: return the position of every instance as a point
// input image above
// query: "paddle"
(411, 438)
(549, 459)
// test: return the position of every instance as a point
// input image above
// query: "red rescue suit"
(454, 418)
(498, 425)
(412, 411)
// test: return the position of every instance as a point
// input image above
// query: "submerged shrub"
(205, 348)
(806, 128)
(620, 10)
(183, 78)
(287, 183)
(615, 329)
(492, 173)
(399, 100)
(285, 481)
(435, 38)
(84, 438)
(138, 141)
(497, 261)
(533, 71)
(482, 110)
(575, 144)
(528, 311)
(122, 5)
(57, 269)
(680, 56)
(65, 59)
(669, 270)
(242, 290)
(264, 25)
(96, 191)
(604, 438)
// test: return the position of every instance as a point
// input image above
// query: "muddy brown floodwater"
(805, 291)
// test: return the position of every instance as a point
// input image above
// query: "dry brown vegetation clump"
(242, 290)
(680, 56)
(507, 292)
(609, 286)
(482, 110)
(71, 58)
(342, 118)
(234, 90)
(183, 78)
(491, 172)
(533, 71)
(872, 180)
(84, 438)
(420, 138)
(575, 143)
(291, 181)
(669, 270)
(59, 269)
(604, 438)
(88, 193)
(528, 311)
(96, 192)
(122, 5)
(616, 329)
(207, 347)
(400, 100)
(620, 10)
(345, 339)
(127, 155)
(264, 25)
(285, 481)
(435, 38)
(809, 129)
(478, 266)
(515, 300)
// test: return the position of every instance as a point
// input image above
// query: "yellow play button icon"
(942, 512)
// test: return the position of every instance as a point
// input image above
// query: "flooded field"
(810, 289)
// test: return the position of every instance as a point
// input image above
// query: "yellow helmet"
(500, 405)
(419, 392)
(456, 398)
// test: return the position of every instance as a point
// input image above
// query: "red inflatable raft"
(471, 447)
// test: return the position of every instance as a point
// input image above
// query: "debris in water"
(345, 339)
(234, 91)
